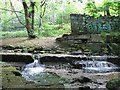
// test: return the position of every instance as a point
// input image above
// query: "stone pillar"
(74, 23)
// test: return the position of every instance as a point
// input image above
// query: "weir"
(96, 66)
(29, 71)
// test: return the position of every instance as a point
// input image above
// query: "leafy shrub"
(113, 84)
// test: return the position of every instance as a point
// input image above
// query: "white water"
(32, 69)
(98, 66)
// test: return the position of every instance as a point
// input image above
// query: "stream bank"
(76, 78)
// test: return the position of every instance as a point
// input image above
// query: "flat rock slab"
(16, 57)
(27, 57)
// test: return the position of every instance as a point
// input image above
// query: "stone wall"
(88, 24)
(85, 35)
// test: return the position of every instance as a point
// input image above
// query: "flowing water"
(29, 71)
(36, 72)
(97, 66)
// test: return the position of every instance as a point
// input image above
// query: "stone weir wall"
(86, 37)
(90, 44)
(86, 23)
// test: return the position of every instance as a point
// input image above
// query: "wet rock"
(12, 81)
(18, 50)
(82, 79)
(17, 73)
(76, 52)
(76, 64)
(9, 47)
(17, 57)
(84, 88)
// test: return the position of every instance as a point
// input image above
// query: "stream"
(101, 70)
(90, 73)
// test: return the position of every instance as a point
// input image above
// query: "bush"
(113, 84)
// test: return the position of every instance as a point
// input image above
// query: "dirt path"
(46, 42)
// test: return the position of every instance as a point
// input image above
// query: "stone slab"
(27, 57)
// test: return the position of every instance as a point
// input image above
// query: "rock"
(9, 47)
(12, 80)
(77, 64)
(17, 73)
(84, 88)
(17, 57)
(82, 79)
(76, 52)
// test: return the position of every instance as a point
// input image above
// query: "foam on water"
(98, 66)
(32, 69)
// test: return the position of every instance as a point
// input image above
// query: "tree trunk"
(29, 19)
(108, 12)
(31, 14)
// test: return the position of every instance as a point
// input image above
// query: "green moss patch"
(114, 84)
(11, 78)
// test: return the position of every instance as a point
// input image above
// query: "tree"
(29, 15)
(92, 9)
(29, 18)
(107, 8)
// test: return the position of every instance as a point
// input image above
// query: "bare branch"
(43, 2)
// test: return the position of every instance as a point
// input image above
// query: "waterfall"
(33, 68)
(96, 66)
(99, 66)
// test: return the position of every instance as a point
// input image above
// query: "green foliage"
(92, 9)
(58, 12)
(54, 30)
(47, 31)
(115, 8)
(104, 34)
(64, 15)
(13, 34)
(96, 11)
(113, 84)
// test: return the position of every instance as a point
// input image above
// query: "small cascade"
(92, 66)
(32, 69)
(99, 66)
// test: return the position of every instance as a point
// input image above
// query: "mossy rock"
(113, 84)
(11, 78)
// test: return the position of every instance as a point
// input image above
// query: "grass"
(46, 31)
(54, 30)
(112, 33)
(13, 34)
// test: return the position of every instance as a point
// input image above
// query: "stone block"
(96, 38)
(94, 47)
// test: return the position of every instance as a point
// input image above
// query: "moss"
(113, 84)
(12, 80)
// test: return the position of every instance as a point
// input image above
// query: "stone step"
(27, 57)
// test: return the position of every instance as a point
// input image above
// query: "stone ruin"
(88, 24)
(85, 34)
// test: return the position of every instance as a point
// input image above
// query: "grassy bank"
(46, 31)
